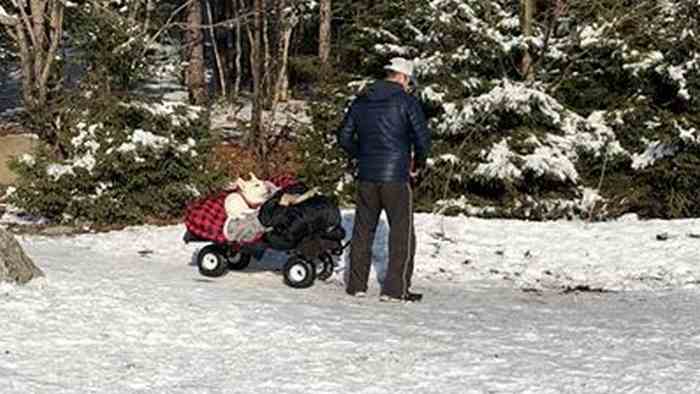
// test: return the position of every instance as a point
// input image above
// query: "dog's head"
(255, 190)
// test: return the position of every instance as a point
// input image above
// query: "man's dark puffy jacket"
(381, 128)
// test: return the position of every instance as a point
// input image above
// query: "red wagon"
(309, 257)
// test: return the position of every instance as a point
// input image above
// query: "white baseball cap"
(403, 66)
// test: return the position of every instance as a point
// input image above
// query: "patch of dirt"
(238, 160)
(13, 145)
(12, 128)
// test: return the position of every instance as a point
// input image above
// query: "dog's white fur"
(254, 192)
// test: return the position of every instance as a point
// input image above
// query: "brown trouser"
(396, 200)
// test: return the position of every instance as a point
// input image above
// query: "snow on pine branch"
(595, 35)
(391, 49)
(555, 154)
(657, 150)
(381, 33)
(509, 97)
(6, 18)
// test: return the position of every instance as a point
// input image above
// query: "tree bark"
(256, 137)
(287, 24)
(215, 46)
(150, 7)
(38, 10)
(324, 36)
(527, 10)
(194, 43)
(557, 8)
(250, 32)
(282, 85)
(267, 75)
(274, 47)
(38, 33)
(239, 49)
(229, 51)
(56, 29)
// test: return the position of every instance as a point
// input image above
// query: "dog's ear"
(253, 177)
(241, 183)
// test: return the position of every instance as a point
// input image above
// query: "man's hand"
(416, 176)
(416, 172)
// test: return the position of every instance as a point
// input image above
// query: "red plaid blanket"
(205, 218)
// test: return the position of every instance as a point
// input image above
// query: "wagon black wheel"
(324, 268)
(238, 260)
(299, 273)
(211, 261)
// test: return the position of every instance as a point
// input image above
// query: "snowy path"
(112, 320)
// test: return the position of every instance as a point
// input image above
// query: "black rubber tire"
(318, 266)
(326, 270)
(299, 273)
(238, 261)
(211, 261)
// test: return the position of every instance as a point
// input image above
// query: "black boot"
(407, 297)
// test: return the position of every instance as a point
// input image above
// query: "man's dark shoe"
(408, 297)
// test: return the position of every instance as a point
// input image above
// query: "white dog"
(249, 196)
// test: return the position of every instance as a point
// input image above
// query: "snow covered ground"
(127, 312)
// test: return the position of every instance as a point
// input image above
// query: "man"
(382, 129)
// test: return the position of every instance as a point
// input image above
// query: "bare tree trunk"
(38, 36)
(134, 11)
(38, 10)
(557, 8)
(282, 86)
(267, 76)
(229, 51)
(25, 56)
(324, 37)
(55, 38)
(239, 72)
(286, 20)
(150, 7)
(254, 70)
(287, 23)
(217, 55)
(273, 53)
(195, 74)
(527, 9)
(256, 136)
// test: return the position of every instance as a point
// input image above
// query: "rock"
(662, 237)
(15, 265)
